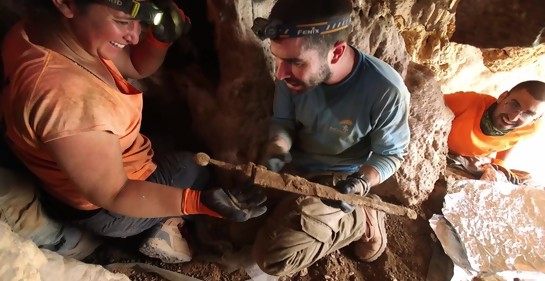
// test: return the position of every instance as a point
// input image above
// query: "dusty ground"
(410, 246)
(407, 257)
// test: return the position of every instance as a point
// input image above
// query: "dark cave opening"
(166, 117)
(499, 23)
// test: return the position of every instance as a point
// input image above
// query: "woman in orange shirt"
(74, 120)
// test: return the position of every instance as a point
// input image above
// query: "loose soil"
(407, 257)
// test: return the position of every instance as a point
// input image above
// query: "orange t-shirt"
(466, 137)
(50, 97)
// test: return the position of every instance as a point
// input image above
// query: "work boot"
(373, 242)
(167, 243)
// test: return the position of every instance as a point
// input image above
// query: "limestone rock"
(28, 262)
(511, 58)
(461, 67)
(426, 26)
(429, 121)
(375, 33)
(24, 257)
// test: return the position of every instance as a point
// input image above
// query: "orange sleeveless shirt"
(50, 97)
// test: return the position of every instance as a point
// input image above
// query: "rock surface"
(27, 262)
(222, 77)
(429, 120)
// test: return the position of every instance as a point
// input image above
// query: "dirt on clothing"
(407, 257)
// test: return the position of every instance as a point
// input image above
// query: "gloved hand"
(239, 204)
(173, 24)
(353, 184)
(276, 155)
(509, 175)
(276, 163)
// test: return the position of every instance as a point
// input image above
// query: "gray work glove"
(353, 184)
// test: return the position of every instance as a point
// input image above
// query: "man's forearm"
(380, 167)
(371, 174)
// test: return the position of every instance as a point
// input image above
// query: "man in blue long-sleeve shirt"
(342, 116)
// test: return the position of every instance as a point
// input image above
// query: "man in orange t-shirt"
(487, 128)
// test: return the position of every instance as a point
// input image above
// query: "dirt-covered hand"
(351, 185)
(173, 24)
(509, 175)
(239, 204)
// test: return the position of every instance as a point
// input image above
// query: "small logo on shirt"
(343, 129)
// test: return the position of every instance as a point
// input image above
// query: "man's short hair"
(534, 87)
(312, 11)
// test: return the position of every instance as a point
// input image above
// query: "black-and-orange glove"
(239, 204)
(173, 24)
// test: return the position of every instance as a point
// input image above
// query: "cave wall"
(414, 37)
(499, 23)
(222, 75)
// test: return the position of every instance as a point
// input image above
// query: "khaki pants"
(21, 210)
(302, 229)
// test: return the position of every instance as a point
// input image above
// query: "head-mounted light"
(263, 28)
(145, 11)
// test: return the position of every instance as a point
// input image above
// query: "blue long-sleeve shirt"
(361, 120)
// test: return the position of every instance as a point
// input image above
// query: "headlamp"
(145, 11)
(263, 28)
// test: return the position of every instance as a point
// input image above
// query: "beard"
(297, 86)
(501, 122)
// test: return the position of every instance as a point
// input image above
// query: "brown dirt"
(407, 257)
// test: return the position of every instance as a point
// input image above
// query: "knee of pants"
(283, 252)
(293, 240)
(273, 265)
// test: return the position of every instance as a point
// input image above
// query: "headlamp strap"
(142, 10)
(319, 28)
(273, 30)
(131, 7)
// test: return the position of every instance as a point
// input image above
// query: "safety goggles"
(263, 28)
(145, 11)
